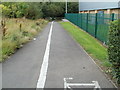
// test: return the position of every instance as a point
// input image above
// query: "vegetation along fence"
(95, 24)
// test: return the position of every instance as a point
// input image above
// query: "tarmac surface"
(66, 59)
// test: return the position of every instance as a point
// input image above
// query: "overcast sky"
(60, 0)
(99, 0)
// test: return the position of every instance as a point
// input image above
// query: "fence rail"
(95, 24)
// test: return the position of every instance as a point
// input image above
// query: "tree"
(52, 10)
(73, 7)
(35, 10)
(5, 10)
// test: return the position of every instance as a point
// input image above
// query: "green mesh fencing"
(91, 24)
(95, 24)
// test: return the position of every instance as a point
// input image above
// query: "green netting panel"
(75, 19)
(72, 17)
(84, 21)
(103, 27)
(116, 16)
(79, 20)
(91, 24)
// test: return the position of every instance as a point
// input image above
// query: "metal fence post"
(81, 20)
(87, 23)
(113, 16)
(96, 25)
(77, 20)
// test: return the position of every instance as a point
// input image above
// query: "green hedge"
(114, 48)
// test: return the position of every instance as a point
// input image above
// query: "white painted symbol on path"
(44, 67)
(70, 85)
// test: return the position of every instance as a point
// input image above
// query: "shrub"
(114, 48)
(8, 48)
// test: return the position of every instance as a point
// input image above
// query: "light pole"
(66, 6)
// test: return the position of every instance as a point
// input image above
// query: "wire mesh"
(95, 24)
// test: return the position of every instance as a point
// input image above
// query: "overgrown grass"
(15, 36)
(93, 47)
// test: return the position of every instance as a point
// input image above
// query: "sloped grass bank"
(17, 32)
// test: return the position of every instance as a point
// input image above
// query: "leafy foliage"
(14, 10)
(35, 10)
(73, 7)
(114, 48)
(52, 10)
(5, 9)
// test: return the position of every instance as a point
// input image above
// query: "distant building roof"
(98, 5)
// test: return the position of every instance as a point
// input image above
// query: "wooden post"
(3, 24)
(20, 26)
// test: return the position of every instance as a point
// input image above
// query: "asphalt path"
(65, 58)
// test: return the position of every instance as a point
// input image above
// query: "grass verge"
(17, 32)
(92, 46)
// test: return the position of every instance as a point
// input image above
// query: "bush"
(8, 48)
(114, 48)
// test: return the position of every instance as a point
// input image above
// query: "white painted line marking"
(44, 67)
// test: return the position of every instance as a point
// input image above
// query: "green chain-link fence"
(95, 24)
